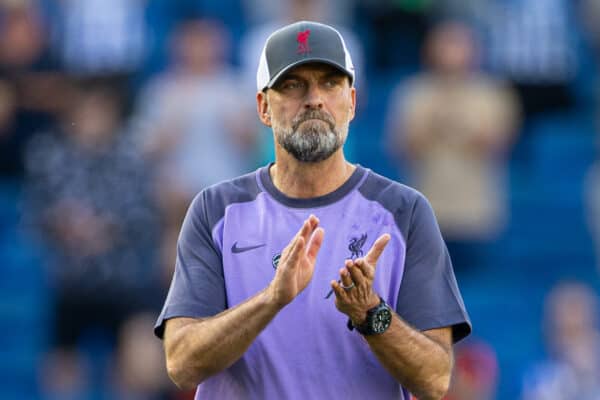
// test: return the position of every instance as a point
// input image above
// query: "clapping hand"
(297, 262)
(354, 294)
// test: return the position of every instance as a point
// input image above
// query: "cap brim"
(309, 61)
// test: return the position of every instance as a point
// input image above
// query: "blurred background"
(114, 113)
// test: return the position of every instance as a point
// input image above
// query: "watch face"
(381, 320)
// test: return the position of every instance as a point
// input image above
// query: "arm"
(198, 348)
(421, 362)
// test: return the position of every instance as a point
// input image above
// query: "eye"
(291, 85)
(332, 81)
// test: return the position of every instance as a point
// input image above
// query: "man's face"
(309, 110)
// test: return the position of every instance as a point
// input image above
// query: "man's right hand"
(297, 263)
(199, 348)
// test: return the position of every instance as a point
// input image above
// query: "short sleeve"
(198, 287)
(429, 297)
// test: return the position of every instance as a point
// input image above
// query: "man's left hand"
(354, 294)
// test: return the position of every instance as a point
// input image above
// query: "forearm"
(418, 362)
(196, 349)
(201, 348)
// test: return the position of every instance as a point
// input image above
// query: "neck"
(306, 180)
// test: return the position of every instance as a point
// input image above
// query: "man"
(249, 313)
(453, 127)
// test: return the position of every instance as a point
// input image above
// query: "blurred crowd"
(115, 113)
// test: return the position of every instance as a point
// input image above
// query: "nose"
(314, 97)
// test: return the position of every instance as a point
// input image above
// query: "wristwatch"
(378, 320)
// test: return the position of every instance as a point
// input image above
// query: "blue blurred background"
(114, 113)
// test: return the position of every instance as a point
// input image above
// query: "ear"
(353, 103)
(262, 107)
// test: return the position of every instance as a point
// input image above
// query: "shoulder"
(210, 203)
(240, 189)
(408, 206)
(394, 196)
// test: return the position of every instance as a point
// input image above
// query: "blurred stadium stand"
(23, 301)
(546, 241)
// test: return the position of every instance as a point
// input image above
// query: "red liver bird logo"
(302, 39)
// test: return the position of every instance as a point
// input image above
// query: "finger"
(308, 227)
(304, 229)
(377, 248)
(366, 269)
(339, 292)
(295, 252)
(345, 277)
(288, 249)
(313, 220)
(314, 245)
(356, 274)
(313, 223)
(304, 233)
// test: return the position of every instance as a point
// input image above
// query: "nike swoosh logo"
(235, 249)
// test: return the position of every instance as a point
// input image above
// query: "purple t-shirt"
(228, 251)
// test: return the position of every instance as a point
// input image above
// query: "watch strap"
(365, 328)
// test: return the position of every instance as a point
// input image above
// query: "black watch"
(378, 320)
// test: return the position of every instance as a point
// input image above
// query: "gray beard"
(311, 141)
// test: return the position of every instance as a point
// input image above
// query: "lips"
(313, 119)
(296, 126)
(311, 116)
